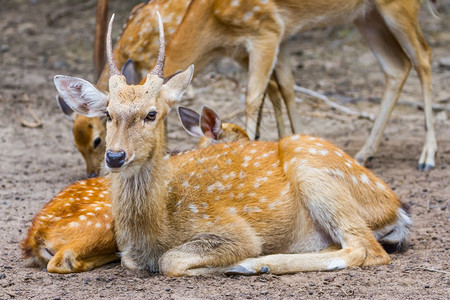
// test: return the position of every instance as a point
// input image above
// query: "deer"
(262, 27)
(139, 42)
(74, 231)
(299, 204)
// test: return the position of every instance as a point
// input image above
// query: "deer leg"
(275, 97)
(402, 21)
(285, 80)
(211, 252)
(262, 57)
(70, 259)
(395, 65)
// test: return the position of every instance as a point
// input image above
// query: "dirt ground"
(36, 163)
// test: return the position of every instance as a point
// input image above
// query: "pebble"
(444, 62)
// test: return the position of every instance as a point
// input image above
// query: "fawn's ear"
(81, 96)
(131, 73)
(174, 88)
(67, 111)
(190, 121)
(210, 123)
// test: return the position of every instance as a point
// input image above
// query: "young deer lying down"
(300, 204)
(74, 231)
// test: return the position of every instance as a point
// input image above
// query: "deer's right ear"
(210, 123)
(190, 121)
(81, 96)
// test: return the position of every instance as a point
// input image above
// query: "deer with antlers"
(74, 231)
(300, 204)
(139, 42)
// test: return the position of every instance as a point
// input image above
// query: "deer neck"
(140, 213)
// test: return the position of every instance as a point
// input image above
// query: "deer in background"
(74, 231)
(261, 27)
(138, 42)
(242, 208)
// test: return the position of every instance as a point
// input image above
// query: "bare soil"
(36, 163)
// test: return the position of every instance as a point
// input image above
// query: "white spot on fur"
(89, 223)
(240, 195)
(251, 208)
(312, 150)
(108, 226)
(253, 151)
(82, 217)
(364, 178)
(323, 152)
(262, 199)
(98, 225)
(193, 208)
(256, 185)
(252, 194)
(228, 161)
(380, 186)
(298, 149)
(269, 173)
(241, 174)
(295, 137)
(185, 183)
(256, 164)
(231, 210)
(338, 153)
(90, 214)
(235, 3)
(348, 164)
(74, 224)
(97, 208)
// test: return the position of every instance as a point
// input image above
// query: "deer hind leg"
(285, 80)
(273, 91)
(211, 252)
(262, 56)
(72, 258)
(401, 18)
(395, 65)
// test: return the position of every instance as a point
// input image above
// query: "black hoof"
(425, 167)
(239, 270)
(264, 270)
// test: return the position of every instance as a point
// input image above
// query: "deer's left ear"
(81, 96)
(173, 90)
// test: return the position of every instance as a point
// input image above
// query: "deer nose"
(115, 159)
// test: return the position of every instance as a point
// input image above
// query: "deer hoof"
(240, 270)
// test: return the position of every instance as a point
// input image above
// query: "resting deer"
(138, 42)
(300, 204)
(74, 231)
(262, 27)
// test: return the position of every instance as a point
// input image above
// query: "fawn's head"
(134, 113)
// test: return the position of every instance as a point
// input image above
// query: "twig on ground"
(37, 122)
(327, 101)
(68, 10)
(426, 269)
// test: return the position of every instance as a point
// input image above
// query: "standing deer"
(74, 231)
(390, 28)
(138, 42)
(242, 208)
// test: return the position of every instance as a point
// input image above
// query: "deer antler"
(159, 67)
(113, 70)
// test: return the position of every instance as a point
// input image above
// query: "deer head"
(134, 113)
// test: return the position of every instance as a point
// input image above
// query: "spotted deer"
(138, 42)
(300, 204)
(262, 27)
(74, 231)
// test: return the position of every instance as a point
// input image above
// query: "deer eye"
(97, 142)
(108, 117)
(151, 116)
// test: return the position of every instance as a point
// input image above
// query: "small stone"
(4, 48)
(427, 286)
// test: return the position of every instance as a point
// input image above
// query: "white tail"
(246, 207)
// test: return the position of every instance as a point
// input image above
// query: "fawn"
(390, 28)
(74, 231)
(300, 204)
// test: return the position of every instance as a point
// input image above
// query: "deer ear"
(190, 121)
(131, 73)
(81, 96)
(210, 123)
(175, 87)
(67, 111)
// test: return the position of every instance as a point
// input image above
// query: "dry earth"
(36, 163)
